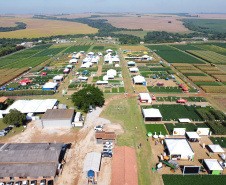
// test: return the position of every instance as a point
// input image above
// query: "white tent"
(133, 69)
(131, 63)
(83, 78)
(179, 147)
(216, 149)
(58, 78)
(145, 97)
(102, 82)
(73, 61)
(152, 114)
(193, 135)
(32, 106)
(92, 162)
(213, 164)
(86, 65)
(91, 53)
(184, 120)
(111, 72)
(105, 77)
(94, 60)
(138, 80)
(109, 51)
(117, 65)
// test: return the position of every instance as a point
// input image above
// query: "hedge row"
(26, 93)
(217, 128)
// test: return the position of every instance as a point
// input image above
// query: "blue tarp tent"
(154, 77)
(167, 78)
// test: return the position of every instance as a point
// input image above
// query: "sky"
(111, 6)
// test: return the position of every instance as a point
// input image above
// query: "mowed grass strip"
(44, 28)
(132, 137)
(158, 128)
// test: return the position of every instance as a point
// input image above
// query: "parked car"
(2, 134)
(25, 182)
(98, 128)
(8, 128)
(107, 143)
(107, 147)
(2, 183)
(18, 183)
(43, 182)
(108, 150)
(4, 131)
(33, 182)
(9, 183)
(106, 154)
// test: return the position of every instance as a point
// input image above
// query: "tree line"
(20, 26)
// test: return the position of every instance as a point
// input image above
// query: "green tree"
(14, 117)
(88, 96)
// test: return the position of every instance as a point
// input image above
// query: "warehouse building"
(152, 114)
(58, 118)
(29, 161)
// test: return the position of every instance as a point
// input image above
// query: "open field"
(133, 48)
(44, 28)
(150, 23)
(210, 24)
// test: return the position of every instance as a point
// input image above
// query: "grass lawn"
(193, 179)
(219, 140)
(156, 128)
(17, 130)
(132, 137)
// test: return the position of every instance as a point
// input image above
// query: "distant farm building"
(139, 80)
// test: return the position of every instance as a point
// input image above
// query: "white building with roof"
(32, 106)
(73, 61)
(179, 148)
(133, 70)
(139, 80)
(50, 86)
(152, 114)
(58, 78)
(111, 72)
(145, 98)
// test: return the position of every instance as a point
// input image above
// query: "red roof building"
(124, 166)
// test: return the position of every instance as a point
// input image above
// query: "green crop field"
(164, 89)
(177, 56)
(213, 48)
(208, 83)
(219, 140)
(216, 25)
(174, 112)
(98, 48)
(77, 49)
(156, 128)
(194, 74)
(193, 179)
(209, 56)
(186, 47)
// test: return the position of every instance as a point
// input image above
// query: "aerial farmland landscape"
(112, 93)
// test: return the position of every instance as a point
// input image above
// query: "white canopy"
(179, 146)
(213, 164)
(152, 113)
(91, 53)
(73, 61)
(133, 69)
(102, 82)
(216, 148)
(92, 162)
(111, 72)
(109, 50)
(82, 78)
(139, 79)
(184, 120)
(35, 106)
(145, 96)
(131, 62)
(50, 85)
(117, 65)
(145, 56)
(86, 65)
(58, 77)
(193, 135)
